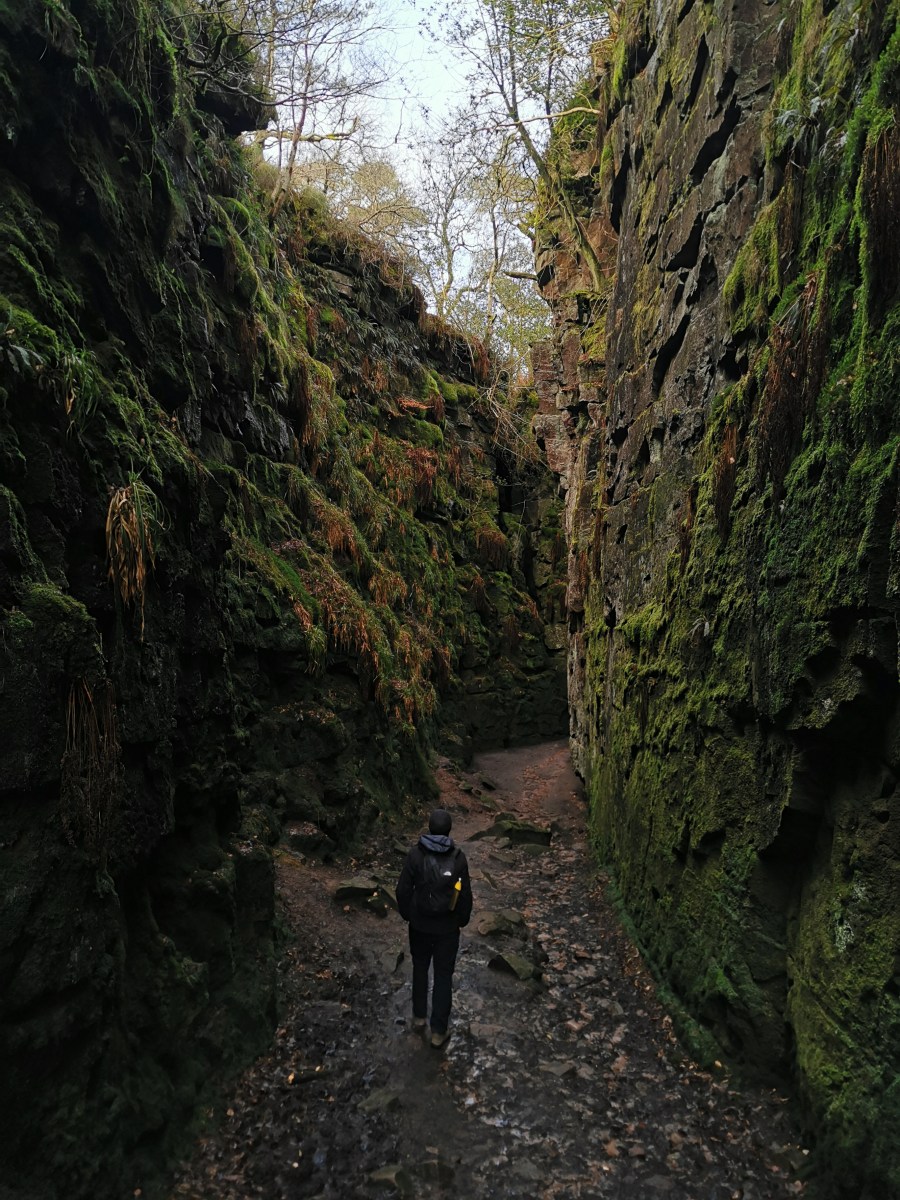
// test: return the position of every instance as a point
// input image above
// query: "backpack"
(436, 892)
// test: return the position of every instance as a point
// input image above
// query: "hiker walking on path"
(435, 896)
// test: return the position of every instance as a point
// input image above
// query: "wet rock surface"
(735, 716)
(566, 1083)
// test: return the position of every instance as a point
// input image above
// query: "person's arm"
(405, 885)
(464, 903)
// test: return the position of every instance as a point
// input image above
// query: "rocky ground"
(562, 1077)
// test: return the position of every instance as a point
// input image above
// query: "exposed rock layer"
(263, 540)
(724, 424)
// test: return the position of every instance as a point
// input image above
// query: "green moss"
(754, 284)
(62, 627)
(642, 628)
(14, 519)
(706, 699)
(427, 434)
(305, 626)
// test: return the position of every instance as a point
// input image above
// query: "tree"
(527, 63)
(475, 259)
(370, 196)
(317, 60)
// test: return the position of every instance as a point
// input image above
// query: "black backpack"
(436, 891)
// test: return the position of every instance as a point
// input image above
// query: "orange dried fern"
(91, 768)
(131, 518)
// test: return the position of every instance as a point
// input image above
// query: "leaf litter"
(566, 1084)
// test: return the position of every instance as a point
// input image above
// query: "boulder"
(361, 887)
(396, 1176)
(514, 964)
(506, 921)
(518, 832)
(381, 1100)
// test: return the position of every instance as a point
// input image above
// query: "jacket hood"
(436, 843)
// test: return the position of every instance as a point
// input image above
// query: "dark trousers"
(441, 949)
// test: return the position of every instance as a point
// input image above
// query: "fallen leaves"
(582, 1081)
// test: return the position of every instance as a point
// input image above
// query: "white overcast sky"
(428, 76)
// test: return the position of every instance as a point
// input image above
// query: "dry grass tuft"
(438, 408)
(478, 596)
(424, 465)
(132, 514)
(91, 768)
(882, 191)
(492, 547)
(481, 362)
(798, 347)
(453, 464)
(581, 575)
(335, 527)
(442, 666)
(510, 635)
(597, 542)
(558, 551)
(312, 324)
(388, 587)
(686, 527)
(724, 480)
(350, 627)
(299, 398)
(410, 404)
(555, 601)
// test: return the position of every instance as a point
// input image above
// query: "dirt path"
(571, 1085)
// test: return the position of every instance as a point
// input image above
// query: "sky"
(428, 76)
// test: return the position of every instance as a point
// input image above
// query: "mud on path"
(567, 1085)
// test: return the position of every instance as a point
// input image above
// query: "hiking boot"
(419, 1022)
(438, 1039)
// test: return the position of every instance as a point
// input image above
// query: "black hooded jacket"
(414, 872)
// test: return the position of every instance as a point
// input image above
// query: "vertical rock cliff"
(265, 540)
(724, 422)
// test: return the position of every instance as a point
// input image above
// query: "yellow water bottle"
(457, 888)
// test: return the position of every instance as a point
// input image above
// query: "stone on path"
(528, 1171)
(435, 1170)
(387, 887)
(396, 1176)
(504, 921)
(377, 895)
(519, 832)
(483, 1029)
(360, 887)
(506, 960)
(534, 848)
(507, 857)
(381, 1100)
(559, 1069)
(391, 960)
(308, 838)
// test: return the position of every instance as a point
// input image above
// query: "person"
(434, 894)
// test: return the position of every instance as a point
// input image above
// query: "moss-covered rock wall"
(724, 420)
(265, 539)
